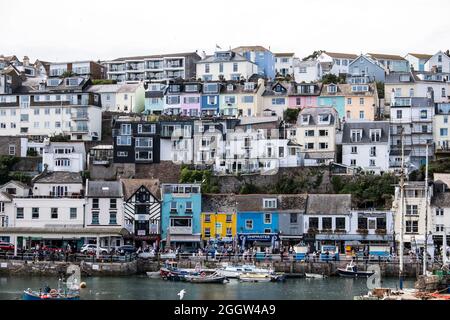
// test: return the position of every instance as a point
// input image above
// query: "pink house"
(190, 99)
(303, 95)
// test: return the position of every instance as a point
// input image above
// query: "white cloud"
(87, 29)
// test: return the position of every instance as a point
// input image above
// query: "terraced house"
(152, 67)
(361, 101)
(303, 95)
(40, 108)
(218, 220)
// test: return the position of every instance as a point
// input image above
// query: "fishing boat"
(51, 295)
(234, 271)
(170, 271)
(68, 290)
(205, 278)
(255, 277)
(351, 271)
(315, 276)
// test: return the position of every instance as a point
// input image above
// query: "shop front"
(259, 241)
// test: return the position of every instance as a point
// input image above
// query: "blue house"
(391, 62)
(154, 98)
(210, 101)
(257, 220)
(332, 96)
(181, 215)
(364, 66)
(264, 59)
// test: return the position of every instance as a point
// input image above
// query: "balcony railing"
(80, 116)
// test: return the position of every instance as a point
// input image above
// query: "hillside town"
(240, 149)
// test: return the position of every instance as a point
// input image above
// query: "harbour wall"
(291, 268)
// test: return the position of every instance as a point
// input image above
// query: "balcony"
(79, 129)
(180, 230)
(79, 116)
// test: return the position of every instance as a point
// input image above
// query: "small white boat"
(154, 274)
(315, 276)
(235, 271)
(255, 277)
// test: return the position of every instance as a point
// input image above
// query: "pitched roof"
(345, 89)
(285, 202)
(366, 126)
(341, 55)
(104, 189)
(18, 183)
(314, 112)
(249, 48)
(385, 56)
(233, 57)
(59, 177)
(103, 88)
(329, 204)
(129, 87)
(282, 54)
(421, 56)
(130, 186)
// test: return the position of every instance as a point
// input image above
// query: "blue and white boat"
(52, 295)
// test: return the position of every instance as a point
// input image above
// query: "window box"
(380, 231)
(312, 230)
(326, 231)
(340, 231)
(362, 231)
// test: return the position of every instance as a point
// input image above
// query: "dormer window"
(362, 88)
(230, 87)
(191, 88)
(210, 88)
(73, 82)
(279, 88)
(175, 88)
(53, 82)
(249, 86)
(324, 119)
(269, 203)
(305, 119)
(404, 78)
(375, 135)
(356, 135)
(332, 88)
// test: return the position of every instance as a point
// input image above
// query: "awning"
(65, 232)
(184, 238)
(287, 237)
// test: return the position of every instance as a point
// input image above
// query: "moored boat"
(205, 278)
(52, 295)
(351, 271)
(255, 277)
(234, 271)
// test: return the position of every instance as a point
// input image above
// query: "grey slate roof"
(103, 88)
(314, 112)
(104, 189)
(285, 202)
(441, 200)
(59, 177)
(329, 204)
(235, 57)
(366, 126)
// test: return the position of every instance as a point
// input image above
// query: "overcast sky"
(99, 29)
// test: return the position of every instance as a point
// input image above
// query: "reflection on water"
(144, 288)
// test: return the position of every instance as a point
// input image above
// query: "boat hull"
(354, 274)
(314, 276)
(35, 296)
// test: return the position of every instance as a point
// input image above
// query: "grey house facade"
(365, 66)
(290, 217)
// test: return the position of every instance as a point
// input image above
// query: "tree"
(332, 78)
(380, 89)
(313, 55)
(6, 164)
(290, 115)
(103, 81)
(68, 74)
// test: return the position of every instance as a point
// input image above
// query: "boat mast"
(425, 248)
(402, 187)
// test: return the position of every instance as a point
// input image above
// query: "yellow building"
(220, 224)
(361, 101)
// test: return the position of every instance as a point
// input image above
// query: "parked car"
(126, 249)
(92, 248)
(6, 246)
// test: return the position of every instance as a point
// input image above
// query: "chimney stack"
(26, 61)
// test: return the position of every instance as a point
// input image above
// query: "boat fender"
(53, 293)
(203, 274)
(83, 285)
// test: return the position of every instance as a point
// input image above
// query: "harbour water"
(144, 288)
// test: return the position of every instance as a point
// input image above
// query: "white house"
(105, 208)
(107, 94)
(307, 71)
(284, 63)
(417, 60)
(53, 107)
(440, 61)
(64, 156)
(335, 63)
(316, 132)
(366, 145)
(441, 128)
(413, 216)
(226, 65)
(253, 151)
(130, 97)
